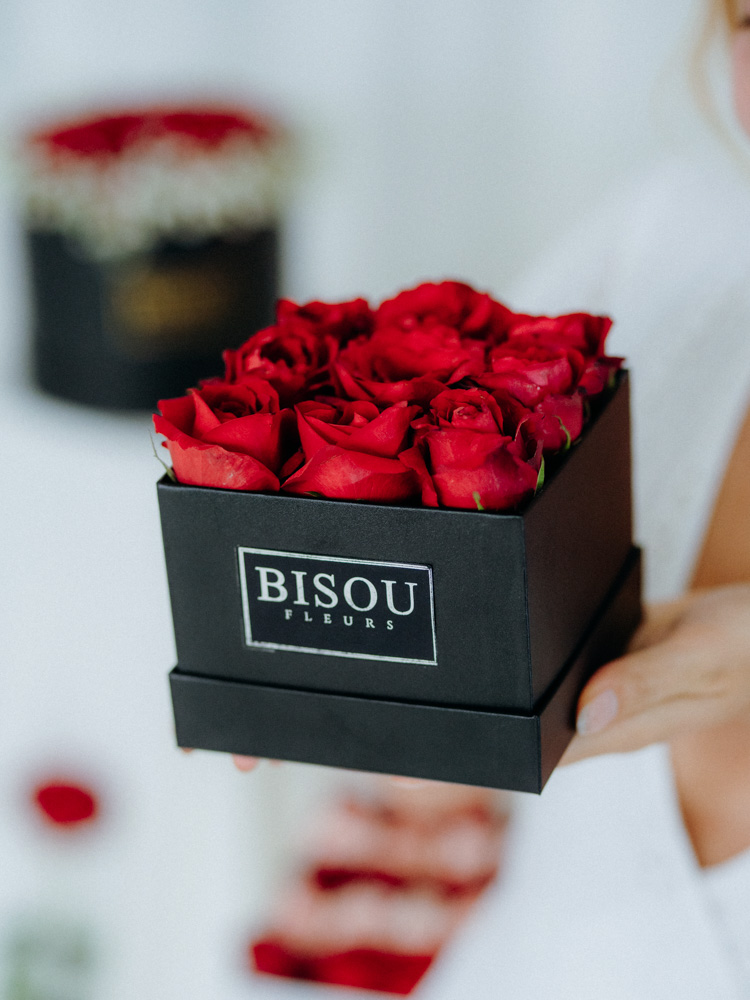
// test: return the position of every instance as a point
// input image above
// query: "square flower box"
(436, 643)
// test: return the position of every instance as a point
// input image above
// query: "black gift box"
(435, 643)
(120, 333)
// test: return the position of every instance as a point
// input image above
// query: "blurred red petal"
(63, 804)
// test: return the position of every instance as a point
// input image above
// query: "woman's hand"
(688, 668)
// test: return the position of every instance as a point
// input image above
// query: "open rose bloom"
(441, 396)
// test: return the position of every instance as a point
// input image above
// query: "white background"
(437, 139)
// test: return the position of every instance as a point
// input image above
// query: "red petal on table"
(63, 804)
(365, 968)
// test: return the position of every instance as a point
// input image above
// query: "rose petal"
(500, 484)
(474, 469)
(414, 459)
(179, 411)
(210, 465)
(385, 435)
(205, 419)
(258, 434)
(557, 421)
(349, 475)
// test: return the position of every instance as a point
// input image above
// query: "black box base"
(443, 743)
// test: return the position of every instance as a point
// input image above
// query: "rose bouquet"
(441, 396)
(363, 569)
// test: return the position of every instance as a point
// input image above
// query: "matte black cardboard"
(352, 621)
(471, 746)
(122, 333)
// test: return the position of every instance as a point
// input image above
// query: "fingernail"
(244, 763)
(598, 714)
(409, 782)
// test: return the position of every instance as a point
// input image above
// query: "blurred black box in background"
(153, 244)
(122, 333)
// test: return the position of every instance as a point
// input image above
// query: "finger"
(186, 749)
(658, 623)
(245, 763)
(648, 697)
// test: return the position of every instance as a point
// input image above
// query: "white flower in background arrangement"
(122, 183)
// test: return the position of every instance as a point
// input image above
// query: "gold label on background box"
(162, 307)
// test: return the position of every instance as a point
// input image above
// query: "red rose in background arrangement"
(351, 451)
(449, 303)
(294, 355)
(106, 138)
(63, 804)
(234, 437)
(211, 127)
(463, 458)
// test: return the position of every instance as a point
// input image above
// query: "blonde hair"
(726, 11)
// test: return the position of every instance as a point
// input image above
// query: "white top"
(602, 897)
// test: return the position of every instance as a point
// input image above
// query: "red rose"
(351, 451)
(340, 320)
(449, 303)
(109, 136)
(530, 372)
(295, 353)
(210, 127)
(556, 422)
(464, 459)
(467, 409)
(575, 331)
(355, 425)
(396, 365)
(599, 374)
(230, 436)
